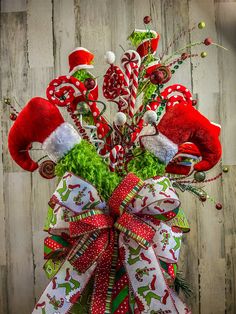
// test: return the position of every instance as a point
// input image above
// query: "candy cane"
(116, 158)
(130, 62)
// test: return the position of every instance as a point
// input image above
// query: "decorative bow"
(103, 240)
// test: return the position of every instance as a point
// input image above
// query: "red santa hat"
(80, 58)
(183, 123)
(40, 121)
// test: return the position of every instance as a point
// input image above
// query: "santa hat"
(148, 45)
(183, 123)
(40, 121)
(80, 58)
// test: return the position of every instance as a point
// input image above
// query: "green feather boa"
(84, 162)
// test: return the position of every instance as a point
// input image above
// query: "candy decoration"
(186, 94)
(116, 158)
(131, 62)
(47, 169)
(113, 83)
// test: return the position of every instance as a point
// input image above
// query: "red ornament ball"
(219, 206)
(13, 116)
(208, 41)
(184, 56)
(194, 102)
(147, 19)
(89, 83)
(157, 77)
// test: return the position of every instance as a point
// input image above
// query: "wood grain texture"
(39, 31)
(36, 37)
(20, 279)
(13, 5)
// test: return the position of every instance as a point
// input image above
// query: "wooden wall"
(36, 37)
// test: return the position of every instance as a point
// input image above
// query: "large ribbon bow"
(126, 235)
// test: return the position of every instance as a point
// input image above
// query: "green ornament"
(225, 169)
(203, 54)
(201, 25)
(199, 176)
(176, 67)
(172, 71)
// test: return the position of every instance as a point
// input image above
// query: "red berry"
(194, 102)
(147, 19)
(184, 56)
(89, 83)
(208, 41)
(13, 116)
(157, 77)
(219, 206)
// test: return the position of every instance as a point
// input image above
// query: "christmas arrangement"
(115, 222)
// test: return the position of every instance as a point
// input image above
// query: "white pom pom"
(150, 116)
(120, 118)
(110, 57)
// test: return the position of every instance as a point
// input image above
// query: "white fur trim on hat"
(61, 141)
(162, 147)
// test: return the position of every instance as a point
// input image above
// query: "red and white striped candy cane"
(130, 62)
(116, 158)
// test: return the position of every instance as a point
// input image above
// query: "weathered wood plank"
(39, 33)
(20, 274)
(64, 34)
(13, 6)
(42, 190)
(95, 33)
(229, 190)
(226, 15)
(206, 87)
(14, 72)
(174, 19)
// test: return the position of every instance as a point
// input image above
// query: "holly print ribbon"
(124, 235)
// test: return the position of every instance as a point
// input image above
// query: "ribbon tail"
(105, 278)
(145, 275)
(63, 290)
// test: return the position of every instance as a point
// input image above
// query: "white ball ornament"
(150, 116)
(110, 57)
(120, 118)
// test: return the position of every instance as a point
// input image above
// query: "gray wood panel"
(36, 37)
